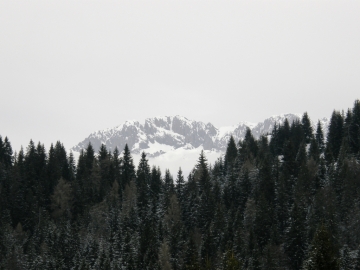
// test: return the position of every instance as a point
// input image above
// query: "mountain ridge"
(159, 135)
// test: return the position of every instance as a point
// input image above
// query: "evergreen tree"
(261, 213)
(231, 263)
(295, 245)
(323, 253)
(117, 167)
(202, 173)
(307, 128)
(248, 147)
(319, 136)
(284, 133)
(354, 129)
(180, 184)
(231, 153)
(156, 182)
(191, 256)
(6, 153)
(143, 185)
(345, 263)
(168, 182)
(314, 151)
(128, 168)
(334, 137)
(6, 163)
(72, 167)
(107, 176)
(297, 135)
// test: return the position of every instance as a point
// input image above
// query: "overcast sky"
(68, 68)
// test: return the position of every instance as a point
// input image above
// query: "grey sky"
(68, 68)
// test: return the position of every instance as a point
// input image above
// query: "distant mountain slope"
(160, 135)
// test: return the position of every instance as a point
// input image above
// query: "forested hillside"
(288, 200)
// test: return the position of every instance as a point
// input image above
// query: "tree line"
(288, 200)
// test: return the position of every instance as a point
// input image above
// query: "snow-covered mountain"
(178, 140)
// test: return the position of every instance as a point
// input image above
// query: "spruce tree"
(231, 262)
(295, 243)
(143, 185)
(231, 153)
(202, 173)
(319, 136)
(180, 184)
(334, 137)
(168, 182)
(156, 183)
(323, 253)
(128, 168)
(314, 151)
(307, 128)
(117, 164)
(6, 153)
(354, 129)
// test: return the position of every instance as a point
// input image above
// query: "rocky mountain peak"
(159, 135)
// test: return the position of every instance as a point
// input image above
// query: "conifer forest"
(288, 200)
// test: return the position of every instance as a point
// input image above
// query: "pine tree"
(164, 257)
(275, 146)
(61, 199)
(289, 166)
(231, 153)
(128, 168)
(180, 184)
(263, 221)
(72, 167)
(345, 263)
(117, 167)
(295, 244)
(248, 148)
(202, 173)
(297, 135)
(266, 181)
(6, 164)
(319, 136)
(357, 261)
(323, 254)
(6, 153)
(156, 183)
(314, 151)
(191, 256)
(168, 182)
(143, 185)
(104, 158)
(334, 137)
(284, 133)
(354, 129)
(307, 128)
(231, 263)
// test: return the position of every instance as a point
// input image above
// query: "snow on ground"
(226, 130)
(181, 157)
(156, 147)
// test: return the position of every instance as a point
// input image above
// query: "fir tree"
(307, 128)
(323, 254)
(231, 263)
(180, 184)
(334, 137)
(128, 168)
(231, 153)
(143, 185)
(319, 136)
(202, 173)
